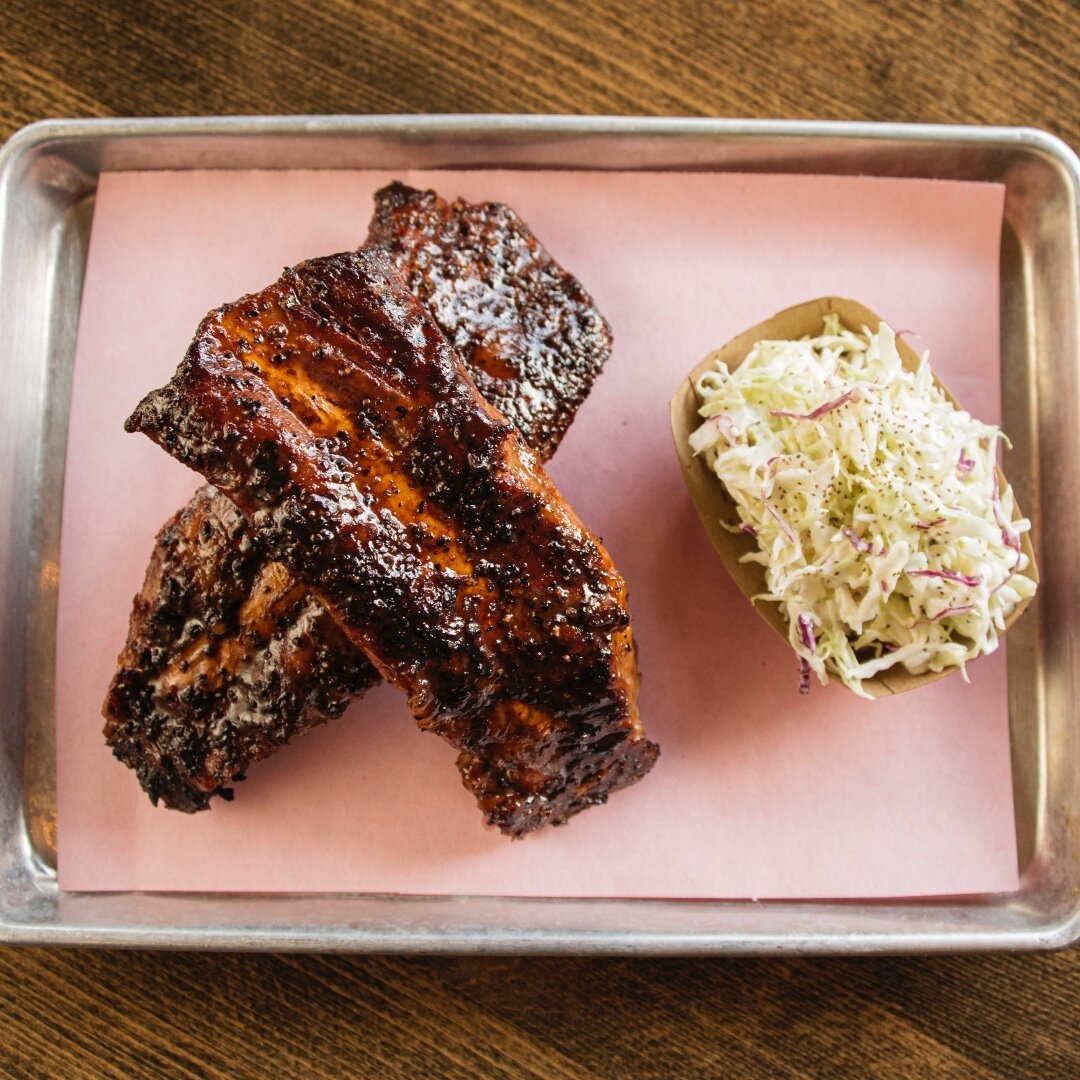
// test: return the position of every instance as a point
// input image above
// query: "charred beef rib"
(228, 656)
(529, 334)
(334, 413)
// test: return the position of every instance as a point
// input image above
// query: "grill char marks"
(530, 335)
(228, 657)
(331, 409)
(188, 731)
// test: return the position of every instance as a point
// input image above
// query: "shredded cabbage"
(874, 500)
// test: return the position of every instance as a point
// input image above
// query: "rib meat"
(228, 656)
(334, 413)
(530, 336)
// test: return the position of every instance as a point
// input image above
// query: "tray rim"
(1056, 934)
(61, 128)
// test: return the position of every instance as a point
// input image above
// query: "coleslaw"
(884, 531)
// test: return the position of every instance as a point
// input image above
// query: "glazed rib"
(530, 336)
(228, 658)
(333, 412)
(191, 710)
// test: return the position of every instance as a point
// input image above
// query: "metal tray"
(48, 177)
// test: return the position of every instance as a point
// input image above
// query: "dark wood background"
(82, 1014)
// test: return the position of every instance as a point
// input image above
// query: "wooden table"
(77, 1014)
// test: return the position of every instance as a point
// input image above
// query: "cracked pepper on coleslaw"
(881, 525)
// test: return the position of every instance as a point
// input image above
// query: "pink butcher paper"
(759, 792)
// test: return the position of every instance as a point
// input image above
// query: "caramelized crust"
(332, 411)
(530, 334)
(228, 658)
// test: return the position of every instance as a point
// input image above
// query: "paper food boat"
(715, 506)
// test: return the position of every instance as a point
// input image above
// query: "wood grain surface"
(86, 1014)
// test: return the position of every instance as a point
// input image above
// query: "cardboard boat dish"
(716, 508)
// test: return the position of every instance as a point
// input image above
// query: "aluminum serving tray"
(48, 177)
